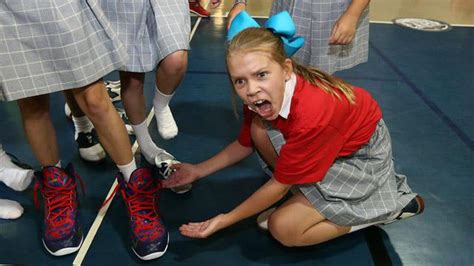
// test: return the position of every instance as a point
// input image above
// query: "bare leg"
(85, 136)
(132, 96)
(95, 103)
(71, 101)
(171, 71)
(39, 129)
(169, 75)
(297, 223)
(134, 103)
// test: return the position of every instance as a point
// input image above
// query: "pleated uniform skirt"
(314, 21)
(357, 189)
(53, 45)
(149, 29)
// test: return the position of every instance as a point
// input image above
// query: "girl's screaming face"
(259, 81)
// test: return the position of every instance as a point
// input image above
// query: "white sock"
(127, 169)
(10, 209)
(147, 146)
(164, 118)
(82, 124)
(12, 175)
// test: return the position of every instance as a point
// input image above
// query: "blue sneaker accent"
(141, 196)
(61, 234)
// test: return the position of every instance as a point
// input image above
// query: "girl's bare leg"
(95, 103)
(297, 223)
(132, 96)
(169, 75)
(39, 129)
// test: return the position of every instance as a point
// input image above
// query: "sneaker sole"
(155, 255)
(92, 154)
(63, 251)
(182, 189)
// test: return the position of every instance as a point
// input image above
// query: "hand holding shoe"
(182, 174)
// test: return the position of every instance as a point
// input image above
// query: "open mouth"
(263, 107)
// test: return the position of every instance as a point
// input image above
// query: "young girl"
(334, 149)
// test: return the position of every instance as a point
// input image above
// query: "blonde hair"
(263, 40)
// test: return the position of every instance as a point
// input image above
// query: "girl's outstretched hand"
(183, 173)
(203, 229)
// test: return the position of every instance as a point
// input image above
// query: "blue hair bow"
(280, 23)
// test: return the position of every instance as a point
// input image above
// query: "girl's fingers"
(194, 230)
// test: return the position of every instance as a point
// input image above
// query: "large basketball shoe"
(62, 234)
(141, 196)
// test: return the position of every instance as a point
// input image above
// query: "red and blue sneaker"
(62, 234)
(141, 196)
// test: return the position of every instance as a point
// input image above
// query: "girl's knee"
(175, 63)
(95, 102)
(281, 229)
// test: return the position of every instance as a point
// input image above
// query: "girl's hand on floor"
(203, 229)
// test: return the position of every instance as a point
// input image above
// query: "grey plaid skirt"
(358, 189)
(149, 29)
(314, 21)
(53, 45)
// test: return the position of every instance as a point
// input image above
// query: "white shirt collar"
(289, 90)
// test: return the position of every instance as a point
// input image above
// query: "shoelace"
(141, 206)
(58, 198)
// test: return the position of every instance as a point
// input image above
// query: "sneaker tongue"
(55, 177)
(141, 180)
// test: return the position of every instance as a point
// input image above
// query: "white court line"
(391, 22)
(372, 21)
(81, 254)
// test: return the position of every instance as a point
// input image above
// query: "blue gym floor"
(424, 83)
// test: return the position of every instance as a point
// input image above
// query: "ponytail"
(325, 81)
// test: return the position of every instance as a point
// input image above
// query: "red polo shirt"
(319, 129)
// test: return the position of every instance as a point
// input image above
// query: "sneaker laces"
(142, 208)
(59, 201)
